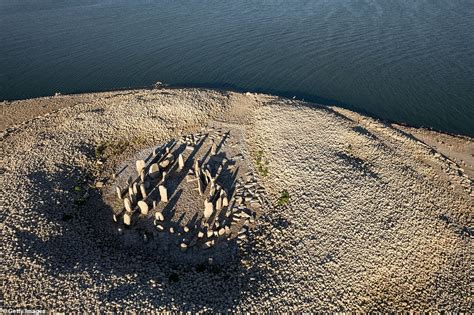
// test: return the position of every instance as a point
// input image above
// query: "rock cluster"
(228, 206)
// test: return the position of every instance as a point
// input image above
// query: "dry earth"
(376, 220)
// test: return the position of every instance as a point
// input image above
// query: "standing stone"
(143, 207)
(140, 164)
(225, 201)
(128, 204)
(180, 162)
(213, 147)
(164, 163)
(143, 190)
(212, 191)
(154, 170)
(200, 185)
(127, 218)
(135, 188)
(210, 233)
(119, 192)
(208, 209)
(219, 204)
(163, 193)
(159, 216)
(142, 175)
(208, 175)
(130, 181)
(197, 170)
(155, 204)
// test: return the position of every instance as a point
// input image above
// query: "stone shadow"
(357, 164)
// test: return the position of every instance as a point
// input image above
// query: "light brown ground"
(376, 219)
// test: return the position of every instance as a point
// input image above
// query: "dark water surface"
(404, 60)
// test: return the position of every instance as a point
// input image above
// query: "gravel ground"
(375, 220)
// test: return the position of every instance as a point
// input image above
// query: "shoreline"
(457, 147)
(322, 101)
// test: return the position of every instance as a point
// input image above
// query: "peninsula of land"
(323, 209)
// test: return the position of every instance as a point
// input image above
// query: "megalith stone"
(140, 164)
(208, 209)
(163, 193)
(213, 147)
(159, 216)
(143, 207)
(143, 190)
(128, 204)
(154, 170)
(127, 218)
(180, 162)
(118, 190)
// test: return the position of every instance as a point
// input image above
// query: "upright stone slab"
(127, 218)
(143, 190)
(165, 163)
(154, 170)
(225, 201)
(219, 204)
(213, 147)
(128, 205)
(143, 207)
(131, 194)
(197, 170)
(159, 216)
(200, 186)
(118, 190)
(135, 188)
(208, 209)
(180, 162)
(140, 165)
(163, 193)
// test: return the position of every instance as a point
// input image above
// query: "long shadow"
(358, 164)
(178, 177)
(88, 241)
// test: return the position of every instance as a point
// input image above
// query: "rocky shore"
(354, 214)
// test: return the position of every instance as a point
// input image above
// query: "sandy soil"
(377, 220)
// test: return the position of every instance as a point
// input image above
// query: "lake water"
(410, 61)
